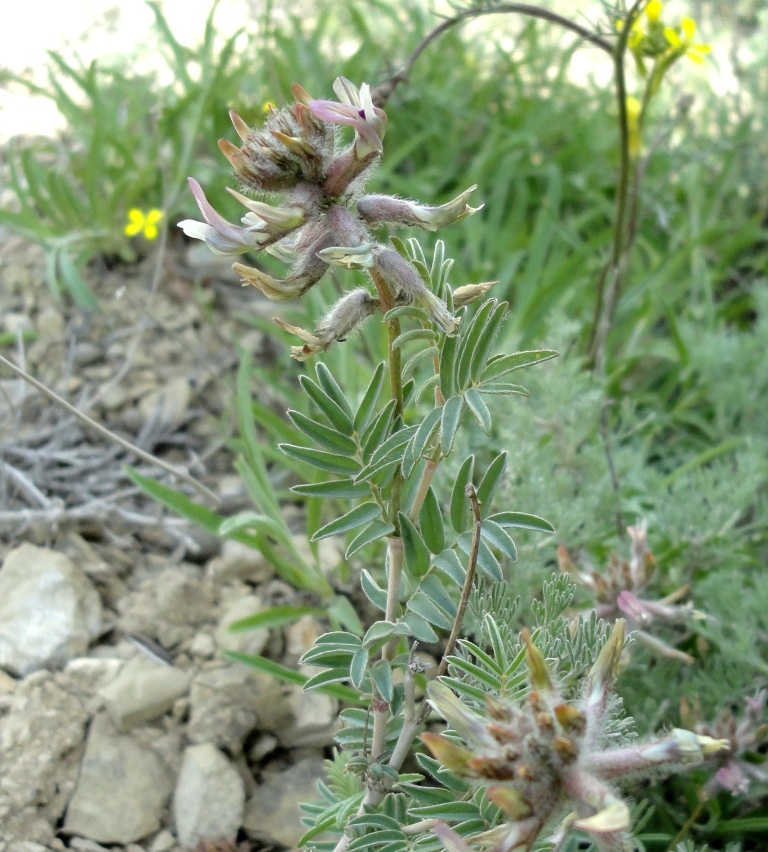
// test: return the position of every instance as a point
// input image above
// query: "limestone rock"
(227, 702)
(311, 720)
(209, 798)
(122, 789)
(273, 813)
(49, 610)
(238, 561)
(246, 641)
(169, 605)
(41, 740)
(143, 691)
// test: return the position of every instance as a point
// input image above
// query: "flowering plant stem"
(413, 716)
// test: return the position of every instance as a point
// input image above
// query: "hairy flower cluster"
(622, 592)
(324, 217)
(547, 756)
(743, 769)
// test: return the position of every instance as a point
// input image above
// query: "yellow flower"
(634, 108)
(141, 222)
(684, 43)
(653, 11)
(636, 34)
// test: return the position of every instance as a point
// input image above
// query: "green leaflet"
(491, 479)
(478, 407)
(417, 556)
(331, 410)
(470, 338)
(332, 462)
(324, 436)
(373, 532)
(459, 507)
(420, 441)
(500, 365)
(522, 521)
(332, 488)
(357, 517)
(431, 523)
(367, 407)
(331, 387)
(449, 423)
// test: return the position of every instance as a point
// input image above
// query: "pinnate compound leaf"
(417, 554)
(478, 407)
(357, 517)
(459, 508)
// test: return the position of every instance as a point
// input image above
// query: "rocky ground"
(121, 723)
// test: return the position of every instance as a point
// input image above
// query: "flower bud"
(398, 211)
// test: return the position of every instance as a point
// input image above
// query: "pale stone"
(246, 641)
(143, 691)
(122, 789)
(209, 799)
(41, 740)
(49, 610)
(273, 813)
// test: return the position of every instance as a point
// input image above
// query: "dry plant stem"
(105, 433)
(609, 283)
(384, 90)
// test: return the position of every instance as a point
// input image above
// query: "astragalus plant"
(535, 749)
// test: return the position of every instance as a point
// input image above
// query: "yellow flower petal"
(135, 222)
(653, 11)
(633, 108)
(154, 216)
(150, 232)
(672, 37)
(689, 28)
